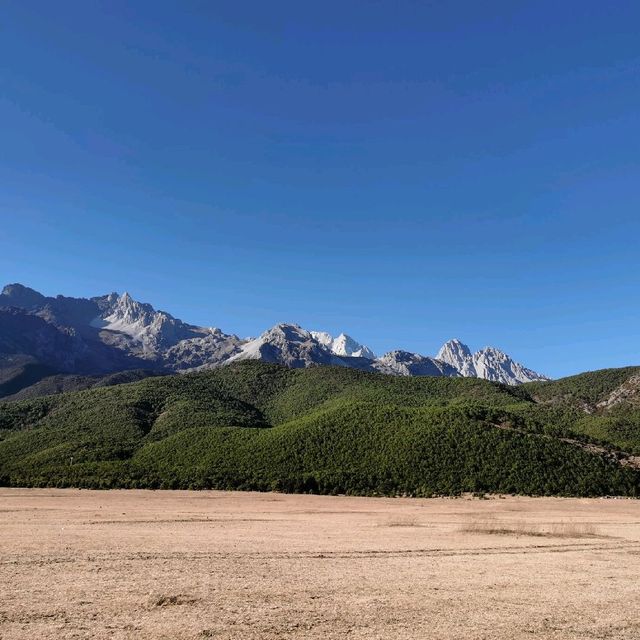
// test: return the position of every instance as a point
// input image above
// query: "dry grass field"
(173, 565)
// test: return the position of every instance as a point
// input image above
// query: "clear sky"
(407, 172)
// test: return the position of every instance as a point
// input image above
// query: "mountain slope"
(604, 405)
(65, 383)
(254, 425)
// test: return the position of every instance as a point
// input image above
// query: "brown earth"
(173, 565)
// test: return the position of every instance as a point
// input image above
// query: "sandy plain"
(173, 565)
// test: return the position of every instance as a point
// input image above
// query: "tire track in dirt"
(630, 547)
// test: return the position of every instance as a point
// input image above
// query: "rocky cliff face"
(458, 355)
(404, 363)
(488, 363)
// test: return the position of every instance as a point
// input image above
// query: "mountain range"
(43, 336)
(87, 399)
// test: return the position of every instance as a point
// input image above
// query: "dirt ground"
(173, 565)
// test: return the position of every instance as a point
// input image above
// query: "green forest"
(330, 430)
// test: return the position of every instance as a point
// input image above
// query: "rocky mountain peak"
(287, 331)
(288, 344)
(147, 330)
(125, 308)
(489, 363)
(458, 355)
(457, 347)
(493, 364)
(17, 295)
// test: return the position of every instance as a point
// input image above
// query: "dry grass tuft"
(168, 601)
(401, 521)
(551, 530)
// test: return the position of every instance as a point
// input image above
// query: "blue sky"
(404, 171)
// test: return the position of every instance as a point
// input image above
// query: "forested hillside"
(331, 430)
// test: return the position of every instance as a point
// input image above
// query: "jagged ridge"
(114, 332)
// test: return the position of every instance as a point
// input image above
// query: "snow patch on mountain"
(343, 345)
(141, 322)
(156, 335)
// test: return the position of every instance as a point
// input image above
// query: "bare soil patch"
(173, 565)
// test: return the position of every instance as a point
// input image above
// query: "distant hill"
(253, 425)
(65, 383)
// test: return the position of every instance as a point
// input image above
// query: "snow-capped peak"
(324, 338)
(343, 345)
